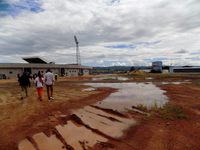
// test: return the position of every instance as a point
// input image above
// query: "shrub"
(169, 111)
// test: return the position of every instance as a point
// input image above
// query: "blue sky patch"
(122, 46)
(3, 6)
(148, 43)
(132, 46)
(195, 53)
(155, 59)
(13, 9)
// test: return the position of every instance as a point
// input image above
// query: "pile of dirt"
(138, 72)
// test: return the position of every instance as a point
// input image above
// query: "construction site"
(99, 75)
(134, 111)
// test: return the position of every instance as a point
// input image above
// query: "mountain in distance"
(112, 69)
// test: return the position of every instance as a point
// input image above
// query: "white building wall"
(171, 69)
(86, 72)
(11, 73)
(72, 72)
(35, 70)
(43, 70)
(11, 70)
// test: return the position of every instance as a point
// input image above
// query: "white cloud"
(101, 23)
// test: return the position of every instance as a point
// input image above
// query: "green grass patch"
(169, 111)
(142, 74)
(142, 107)
(198, 82)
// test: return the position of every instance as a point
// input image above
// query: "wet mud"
(82, 130)
(78, 119)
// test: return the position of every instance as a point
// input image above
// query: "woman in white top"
(39, 82)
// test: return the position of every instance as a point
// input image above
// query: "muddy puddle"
(83, 129)
(177, 82)
(149, 78)
(84, 137)
(131, 94)
(88, 89)
(105, 123)
(48, 143)
(26, 145)
(93, 124)
(109, 78)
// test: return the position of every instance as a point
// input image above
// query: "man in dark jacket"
(24, 82)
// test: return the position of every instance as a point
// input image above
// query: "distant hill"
(115, 69)
(121, 69)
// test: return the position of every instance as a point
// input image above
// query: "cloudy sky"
(110, 32)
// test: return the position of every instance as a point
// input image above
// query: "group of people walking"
(41, 80)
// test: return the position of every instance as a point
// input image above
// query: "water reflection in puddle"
(149, 78)
(130, 94)
(87, 127)
(75, 134)
(176, 83)
(48, 143)
(108, 124)
(88, 89)
(110, 78)
(26, 145)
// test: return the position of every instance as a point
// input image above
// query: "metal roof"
(35, 60)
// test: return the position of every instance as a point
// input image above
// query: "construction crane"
(78, 58)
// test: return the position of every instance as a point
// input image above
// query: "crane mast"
(78, 58)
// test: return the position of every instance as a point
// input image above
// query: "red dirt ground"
(155, 133)
(22, 118)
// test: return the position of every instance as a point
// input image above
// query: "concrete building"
(35, 64)
(157, 66)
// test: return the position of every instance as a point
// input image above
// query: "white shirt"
(38, 83)
(48, 77)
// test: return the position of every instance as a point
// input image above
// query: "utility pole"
(78, 58)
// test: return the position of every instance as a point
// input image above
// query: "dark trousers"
(24, 91)
(49, 91)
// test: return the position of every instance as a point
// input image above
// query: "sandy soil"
(23, 118)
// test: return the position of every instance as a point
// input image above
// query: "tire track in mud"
(80, 131)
